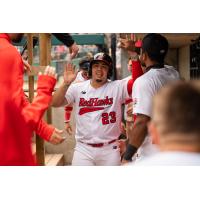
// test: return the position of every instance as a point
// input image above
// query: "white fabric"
(171, 158)
(126, 105)
(85, 155)
(79, 78)
(144, 88)
(89, 126)
(147, 85)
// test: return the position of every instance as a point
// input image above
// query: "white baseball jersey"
(97, 111)
(175, 158)
(128, 101)
(79, 78)
(144, 88)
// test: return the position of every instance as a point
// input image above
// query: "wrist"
(134, 57)
(130, 151)
(66, 84)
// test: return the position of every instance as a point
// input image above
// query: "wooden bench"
(54, 160)
(51, 159)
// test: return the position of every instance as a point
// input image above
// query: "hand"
(128, 45)
(27, 66)
(68, 128)
(56, 137)
(73, 50)
(69, 74)
(122, 146)
(50, 71)
(129, 111)
(124, 162)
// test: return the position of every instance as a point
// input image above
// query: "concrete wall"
(184, 62)
(172, 58)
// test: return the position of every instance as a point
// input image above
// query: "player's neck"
(97, 84)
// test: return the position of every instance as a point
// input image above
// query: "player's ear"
(152, 129)
(144, 56)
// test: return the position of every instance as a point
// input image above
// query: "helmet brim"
(103, 61)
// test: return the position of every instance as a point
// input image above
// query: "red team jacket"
(17, 117)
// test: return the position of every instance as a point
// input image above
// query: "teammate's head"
(16, 37)
(105, 60)
(154, 47)
(85, 63)
(176, 114)
(84, 66)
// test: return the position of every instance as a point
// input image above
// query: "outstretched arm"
(59, 96)
(33, 112)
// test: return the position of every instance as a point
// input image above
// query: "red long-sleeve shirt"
(17, 120)
(43, 129)
(136, 72)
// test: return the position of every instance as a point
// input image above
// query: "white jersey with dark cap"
(144, 88)
(98, 111)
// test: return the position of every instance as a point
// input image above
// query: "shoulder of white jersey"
(127, 78)
(115, 82)
(79, 77)
(169, 66)
(81, 82)
(173, 69)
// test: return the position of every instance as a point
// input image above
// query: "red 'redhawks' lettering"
(96, 102)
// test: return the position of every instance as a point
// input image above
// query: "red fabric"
(138, 43)
(136, 72)
(89, 109)
(42, 129)
(68, 110)
(17, 120)
(128, 101)
(67, 116)
(134, 117)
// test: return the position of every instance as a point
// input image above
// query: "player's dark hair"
(156, 46)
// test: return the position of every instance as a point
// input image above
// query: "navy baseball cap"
(156, 46)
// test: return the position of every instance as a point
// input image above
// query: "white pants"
(86, 155)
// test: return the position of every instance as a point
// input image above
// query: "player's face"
(129, 65)
(99, 72)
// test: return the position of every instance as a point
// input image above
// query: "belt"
(99, 144)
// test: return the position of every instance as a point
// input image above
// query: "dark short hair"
(156, 46)
(180, 107)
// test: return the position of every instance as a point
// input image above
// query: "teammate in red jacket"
(17, 119)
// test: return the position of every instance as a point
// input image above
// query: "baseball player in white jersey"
(154, 50)
(97, 111)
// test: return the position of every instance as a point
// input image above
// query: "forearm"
(138, 134)
(44, 130)
(66, 38)
(33, 112)
(59, 96)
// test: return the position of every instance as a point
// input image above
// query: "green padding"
(81, 39)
